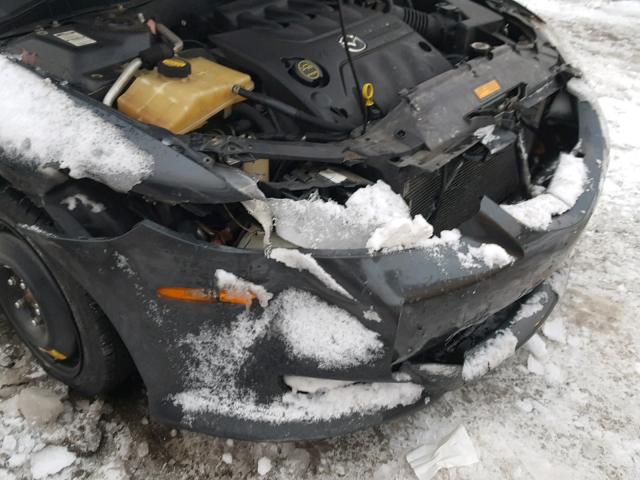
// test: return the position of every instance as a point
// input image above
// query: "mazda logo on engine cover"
(354, 43)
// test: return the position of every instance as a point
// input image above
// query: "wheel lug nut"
(23, 286)
(19, 304)
(36, 310)
(12, 282)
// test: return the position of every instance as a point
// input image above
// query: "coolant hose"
(288, 110)
(136, 64)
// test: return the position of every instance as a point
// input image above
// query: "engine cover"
(293, 50)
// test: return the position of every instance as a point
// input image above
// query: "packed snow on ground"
(568, 184)
(524, 425)
(50, 460)
(305, 262)
(43, 125)
(74, 201)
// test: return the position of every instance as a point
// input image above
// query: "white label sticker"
(75, 38)
(333, 176)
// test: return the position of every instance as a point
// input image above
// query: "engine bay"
(302, 72)
(311, 98)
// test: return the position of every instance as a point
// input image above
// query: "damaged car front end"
(378, 207)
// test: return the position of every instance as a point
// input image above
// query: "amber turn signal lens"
(194, 295)
(237, 298)
(202, 295)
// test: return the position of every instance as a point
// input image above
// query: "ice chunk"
(227, 458)
(50, 460)
(489, 355)
(264, 466)
(142, 450)
(400, 233)
(327, 334)
(39, 406)
(440, 369)
(43, 125)
(554, 329)
(11, 377)
(537, 347)
(228, 281)
(535, 366)
(568, 184)
(110, 471)
(456, 450)
(534, 305)
(318, 224)
(297, 463)
(489, 254)
(304, 261)
(9, 443)
(372, 315)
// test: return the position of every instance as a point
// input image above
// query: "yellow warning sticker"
(488, 89)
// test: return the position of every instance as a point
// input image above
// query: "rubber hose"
(289, 110)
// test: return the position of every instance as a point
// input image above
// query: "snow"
(73, 201)
(319, 224)
(264, 466)
(38, 405)
(298, 407)
(568, 184)
(311, 329)
(372, 316)
(261, 211)
(489, 254)
(313, 385)
(228, 281)
(555, 330)
(537, 347)
(326, 334)
(440, 370)
(50, 460)
(305, 262)
(532, 306)
(46, 127)
(227, 458)
(489, 355)
(400, 233)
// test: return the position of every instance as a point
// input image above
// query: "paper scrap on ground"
(456, 450)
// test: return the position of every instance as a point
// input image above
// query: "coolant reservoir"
(182, 105)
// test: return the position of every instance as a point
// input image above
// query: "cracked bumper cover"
(422, 297)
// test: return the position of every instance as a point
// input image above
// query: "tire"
(56, 319)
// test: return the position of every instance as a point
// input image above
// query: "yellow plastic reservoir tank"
(184, 96)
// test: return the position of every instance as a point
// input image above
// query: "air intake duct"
(434, 27)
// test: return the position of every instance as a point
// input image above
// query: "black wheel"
(55, 318)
